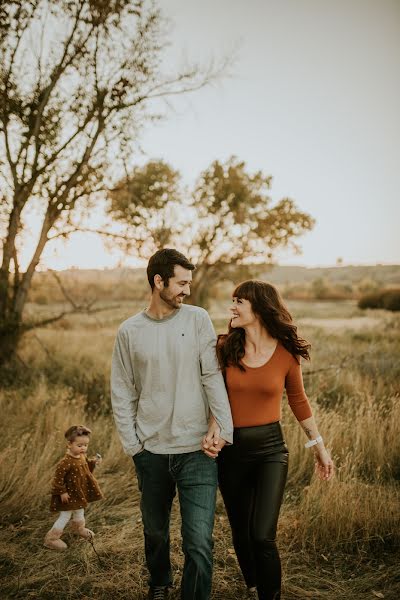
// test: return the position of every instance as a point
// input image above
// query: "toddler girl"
(73, 487)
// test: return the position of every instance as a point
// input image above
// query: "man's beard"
(172, 301)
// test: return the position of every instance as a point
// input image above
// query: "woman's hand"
(212, 444)
(324, 466)
(64, 497)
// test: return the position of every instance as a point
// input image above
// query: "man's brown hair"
(163, 263)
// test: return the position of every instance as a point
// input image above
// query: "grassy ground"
(338, 540)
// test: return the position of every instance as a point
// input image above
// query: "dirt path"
(351, 324)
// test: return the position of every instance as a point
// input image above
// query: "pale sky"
(313, 100)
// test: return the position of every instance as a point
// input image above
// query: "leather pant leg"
(252, 478)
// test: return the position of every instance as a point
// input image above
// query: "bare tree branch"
(50, 320)
(118, 236)
(58, 71)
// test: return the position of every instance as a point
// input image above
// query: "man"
(165, 384)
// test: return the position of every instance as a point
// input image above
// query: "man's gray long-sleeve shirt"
(165, 380)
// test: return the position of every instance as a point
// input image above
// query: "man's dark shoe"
(158, 593)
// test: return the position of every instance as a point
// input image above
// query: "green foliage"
(386, 299)
(238, 221)
(146, 192)
(225, 223)
(145, 202)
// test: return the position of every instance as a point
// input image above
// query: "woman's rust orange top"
(255, 395)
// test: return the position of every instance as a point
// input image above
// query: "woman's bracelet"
(310, 443)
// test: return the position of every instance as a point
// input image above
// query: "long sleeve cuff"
(227, 435)
(132, 450)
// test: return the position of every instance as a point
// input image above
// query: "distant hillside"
(384, 275)
(294, 282)
(332, 283)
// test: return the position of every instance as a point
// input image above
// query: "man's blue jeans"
(194, 475)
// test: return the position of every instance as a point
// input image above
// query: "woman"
(260, 356)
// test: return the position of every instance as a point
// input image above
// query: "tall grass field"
(338, 540)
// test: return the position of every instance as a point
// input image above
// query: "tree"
(227, 223)
(77, 78)
(148, 201)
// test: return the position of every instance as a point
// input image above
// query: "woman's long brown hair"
(267, 304)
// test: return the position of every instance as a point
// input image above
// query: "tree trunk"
(202, 285)
(22, 293)
(8, 252)
(11, 327)
(10, 335)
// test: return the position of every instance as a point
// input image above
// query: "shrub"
(387, 299)
(391, 300)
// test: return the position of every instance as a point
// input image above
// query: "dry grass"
(338, 540)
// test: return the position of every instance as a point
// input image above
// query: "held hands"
(212, 443)
(64, 497)
(324, 466)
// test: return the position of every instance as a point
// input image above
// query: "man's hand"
(212, 443)
(212, 450)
